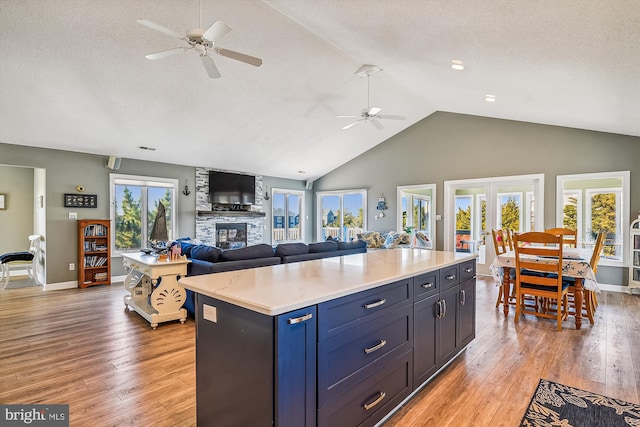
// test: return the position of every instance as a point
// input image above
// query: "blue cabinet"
(253, 369)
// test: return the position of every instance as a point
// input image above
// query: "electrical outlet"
(73, 215)
(210, 313)
(72, 266)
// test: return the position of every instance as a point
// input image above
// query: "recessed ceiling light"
(302, 172)
(456, 64)
(490, 98)
(142, 147)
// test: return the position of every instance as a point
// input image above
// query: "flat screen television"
(227, 188)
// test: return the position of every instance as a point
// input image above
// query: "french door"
(475, 206)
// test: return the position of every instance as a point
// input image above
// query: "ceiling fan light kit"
(370, 113)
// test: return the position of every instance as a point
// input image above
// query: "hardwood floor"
(81, 347)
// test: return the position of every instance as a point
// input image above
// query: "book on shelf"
(95, 230)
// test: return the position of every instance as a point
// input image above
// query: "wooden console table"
(153, 286)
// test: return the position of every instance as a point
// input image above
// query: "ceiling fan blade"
(373, 111)
(216, 31)
(377, 124)
(251, 60)
(391, 117)
(165, 53)
(352, 124)
(160, 28)
(347, 117)
(210, 66)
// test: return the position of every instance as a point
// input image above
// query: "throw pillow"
(422, 241)
(394, 239)
(250, 252)
(323, 247)
(373, 239)
(205, 253)
(288, 249)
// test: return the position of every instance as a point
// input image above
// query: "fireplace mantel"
(231, 213)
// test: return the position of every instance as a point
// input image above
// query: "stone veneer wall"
(206, 222)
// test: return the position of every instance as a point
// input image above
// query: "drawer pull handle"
(463, 297)
(450, 277)
(427, 285)
(375, 304)
(468, 270)
(375, 347)
(379, 399)
(300, 319)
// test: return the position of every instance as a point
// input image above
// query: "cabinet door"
(447, 338)
(467, 311)
(425, 358)
(295, 400)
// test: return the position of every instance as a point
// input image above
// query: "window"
(134, 205)
(594, 203)
(341, 214)
(416, 208)
(287, 211)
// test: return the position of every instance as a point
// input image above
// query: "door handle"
(300, 319)
(381, 396)
(375, 304)
(463, 297)
(375, 347)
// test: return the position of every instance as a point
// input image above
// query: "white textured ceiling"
(73, 75)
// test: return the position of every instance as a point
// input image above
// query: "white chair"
(22, 260)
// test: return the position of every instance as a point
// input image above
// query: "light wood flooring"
(81, 347)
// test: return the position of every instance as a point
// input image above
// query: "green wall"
(65, 170)
(447, 146)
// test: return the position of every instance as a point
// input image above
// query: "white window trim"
(340, 193)
(139, 180)
(626, 203)
(302, 213)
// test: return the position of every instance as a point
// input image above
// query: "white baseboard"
(74, 284)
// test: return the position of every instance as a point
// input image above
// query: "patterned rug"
(556, 404)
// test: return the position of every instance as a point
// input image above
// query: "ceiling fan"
(370, 114)
(203, 42)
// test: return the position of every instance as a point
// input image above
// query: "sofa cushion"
(323, 247)
(257, 251)
(354, 244)
(185, 248)
(287, 249)
(206, 253)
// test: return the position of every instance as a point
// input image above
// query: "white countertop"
(281, 288)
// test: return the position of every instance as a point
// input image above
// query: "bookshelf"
(94, 259)
(634, 255)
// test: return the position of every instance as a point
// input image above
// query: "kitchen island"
(337, 341)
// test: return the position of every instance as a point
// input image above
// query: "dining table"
(575, 264)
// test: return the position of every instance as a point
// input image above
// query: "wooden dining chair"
(502, 243)
(569, 236)
(540, 280)
(589, 300)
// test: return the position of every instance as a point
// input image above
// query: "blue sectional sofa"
(208, 259)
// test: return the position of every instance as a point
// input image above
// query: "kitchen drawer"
(467, 270)
(345, 359)
(342, 314)
(449, 276)
(372, 399)
(426, 284)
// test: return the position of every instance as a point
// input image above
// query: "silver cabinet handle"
(450, 277)
(300, 319)
(439, 309)
(376, 347)
(375, 304)
(444, 308)
(463, 297)
(427, 285)
(381, 396)
(468, 270)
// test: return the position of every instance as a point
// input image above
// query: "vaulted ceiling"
(73, 75)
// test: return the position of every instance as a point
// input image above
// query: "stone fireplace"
(208, 221)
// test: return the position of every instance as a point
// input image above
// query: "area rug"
(555, 404)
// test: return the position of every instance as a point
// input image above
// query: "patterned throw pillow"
(373, 239)
(394, 239)
(422, 241)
